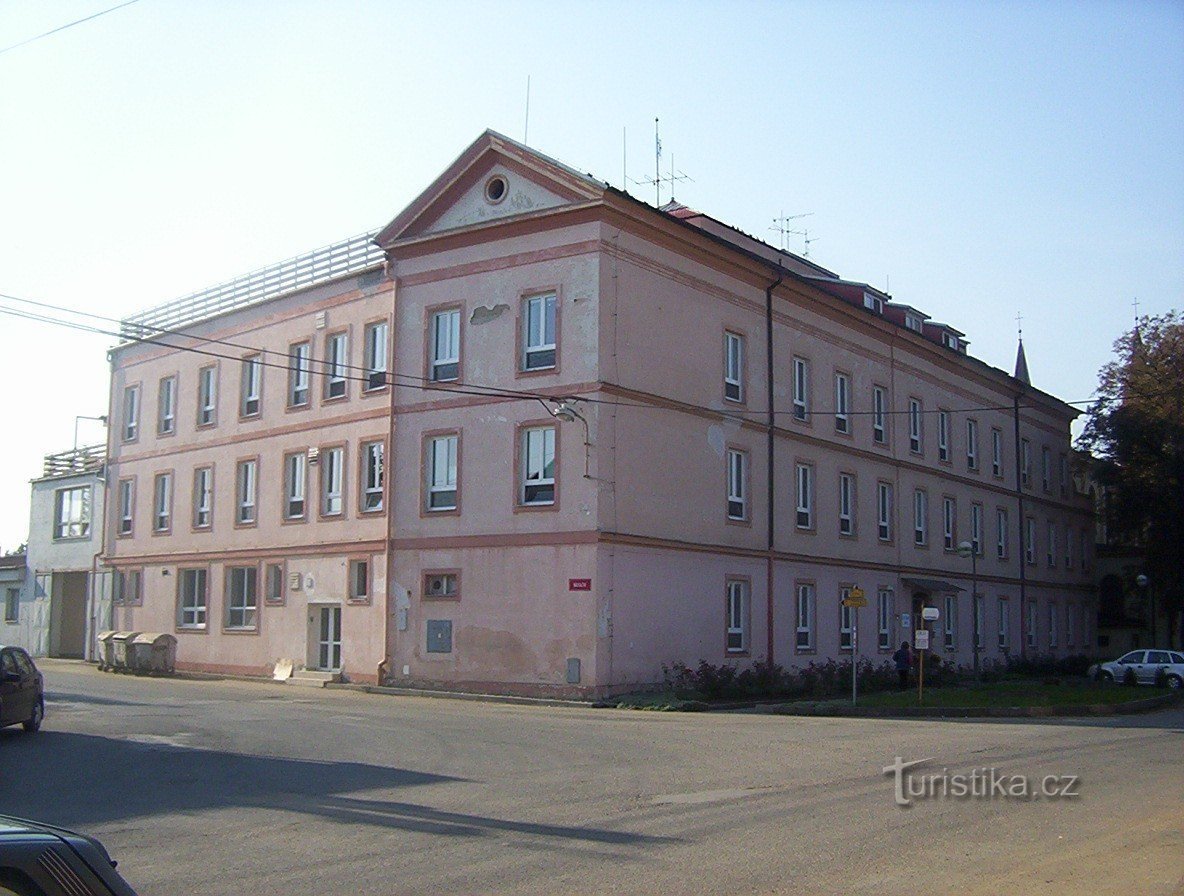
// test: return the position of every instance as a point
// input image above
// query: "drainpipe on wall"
(1023, 555)
(388, 552)
(769, 506)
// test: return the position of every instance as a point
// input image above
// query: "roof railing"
(89, 459)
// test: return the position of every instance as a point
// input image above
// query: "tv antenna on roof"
(781, 225)
(658, 179)
(805, 235)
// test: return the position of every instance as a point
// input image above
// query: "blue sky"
(982, 159)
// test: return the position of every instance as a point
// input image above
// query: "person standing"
(904, 661)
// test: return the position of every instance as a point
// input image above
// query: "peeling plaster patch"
(402, 597)
(719, 433)
(483, 315)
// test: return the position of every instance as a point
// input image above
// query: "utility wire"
(64, 27)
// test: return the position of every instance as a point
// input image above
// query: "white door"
(329, 643)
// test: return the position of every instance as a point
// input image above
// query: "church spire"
(1021, 361)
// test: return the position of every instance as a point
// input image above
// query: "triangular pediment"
(494, 178)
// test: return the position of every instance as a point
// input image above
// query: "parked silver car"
(1146, 665)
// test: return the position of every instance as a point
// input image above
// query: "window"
(884, 510)
(879, 403)
(332, 481)
(207, 396)
(1001, 533)
(372, 476)
(299, 363)
(885, 613)
(131, 413)
(1025, 462)
(920, 517)
(978, 622)
(1030, 541)
(1004, 611)
(949, 524)
(71, 515)
(1070, 628)
(1031, 638)
(943, 435)
(441, 585)
(294, 484)
(374, 342)
(191, 598)
(274, 583)
(949, 340)
(1068, 547)
(241, 601)
(12, 604)
(949, 624)
(1085, 549)
(996, 453)
(805, 496)
(846, 504)
(1046, 469)
(1064, 467)
(1052, 625)
(737, 616)
(538, 466)
(733, 367)
(245, 488)
(203, 497)
(162, 514)
(359, 579)
(125, 587)
(166, 406)
(846, 619)
(737, 485)
(445, 351)
(801, 389)
(538, 332)
(336, 360)
(842, 402)
(1051, 553)
(872, 303)
(972, 444)
(976, 529)
(442, 470)
(915, 427)
(913, 322)
(127, 492)
(804, 614)
(252, 386)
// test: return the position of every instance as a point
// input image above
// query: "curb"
(455, 695)
(833, 709)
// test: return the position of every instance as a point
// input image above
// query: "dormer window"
(913, 322)
(949, 340)
(871, 303)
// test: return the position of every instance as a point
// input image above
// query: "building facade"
(539, 436)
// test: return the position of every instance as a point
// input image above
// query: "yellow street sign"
(858, 593)
(855, 602)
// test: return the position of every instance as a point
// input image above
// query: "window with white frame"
(1070, 628)
(915, 426)
(332, 462)
(125, 587)
(949, 623)
(207, 396)
(299, 373)
(1045, 469)
(846, 619)
(804, 617)
(885, 616)
(1051, 546)
(126, 505)
(801, 389)
(737, 485)
(805, 496)
(733, 366)
(538, 332)
(920, 517)
(1004, 622)
(884, 510)
(846, 504)
(879, 408)
(166, 406)
(842, 402)
(372, 476)
(131, 413)
(538, 466)
(972, 445)
(1052, 625)
(1030, 541)
(737, 611)
(913, 322)
(251, 399)
(203, 497)
(949, 523)
(336, 364)
(996, 452)
(1032, 617)
(191, 598)
(374, 354)
(242, 601)
(976, 529)
(1025, 462)
(359, 579)
(72, 512)
(445, 346)
(978, 622)
(442, 585)
(442, 472)
(245, 488)
(162, 516)
(943, 435)
(1001, 533)
(273, 582)
(295, 475)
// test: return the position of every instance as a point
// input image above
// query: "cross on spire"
(1019, 323)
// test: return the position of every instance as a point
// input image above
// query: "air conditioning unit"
(314, 455)
(295, 581)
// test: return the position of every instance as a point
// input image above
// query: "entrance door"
(329, 643)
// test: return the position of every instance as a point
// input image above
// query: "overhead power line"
(64, 27)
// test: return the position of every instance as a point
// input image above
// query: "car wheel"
(1108, 677)
(33, 723)
(1174, 682)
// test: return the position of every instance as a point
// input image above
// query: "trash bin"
(153, 653)
(106, 650)
(121, 654)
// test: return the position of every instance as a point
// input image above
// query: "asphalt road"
(232, 787)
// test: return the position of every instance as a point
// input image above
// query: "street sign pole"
(854, 654)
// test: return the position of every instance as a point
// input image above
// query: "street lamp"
(966, 549)
(1148, 598)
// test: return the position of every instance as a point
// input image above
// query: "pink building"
(520, 441)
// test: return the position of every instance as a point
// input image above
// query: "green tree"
(1135, 430)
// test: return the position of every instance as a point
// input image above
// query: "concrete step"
(311, 678)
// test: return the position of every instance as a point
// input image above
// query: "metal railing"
(350, 256)
(89, 459)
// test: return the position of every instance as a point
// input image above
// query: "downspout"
(1023, 555)
(387, 466)
(769, 505)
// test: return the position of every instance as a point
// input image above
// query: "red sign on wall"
(579, 584)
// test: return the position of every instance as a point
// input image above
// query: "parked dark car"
(22, 691)
(40, 860)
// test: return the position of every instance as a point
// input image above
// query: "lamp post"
(1148, 598)
(966, 549)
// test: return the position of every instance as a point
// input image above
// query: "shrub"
(1128, 677)
(1161, 677)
